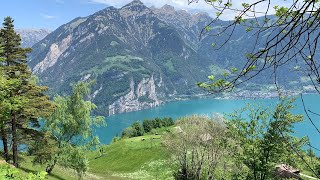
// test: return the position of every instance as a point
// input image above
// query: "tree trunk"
(4, 137)
(14, 140)
(50, 167)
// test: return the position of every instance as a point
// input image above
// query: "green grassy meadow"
(141, 157)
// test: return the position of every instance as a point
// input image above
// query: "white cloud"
(47, 16)
(201, 5)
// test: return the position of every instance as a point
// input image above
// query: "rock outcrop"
(140, 96)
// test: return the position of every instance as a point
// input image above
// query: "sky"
(50, 14)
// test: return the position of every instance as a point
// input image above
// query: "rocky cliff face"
(56, 50)
(142, 97)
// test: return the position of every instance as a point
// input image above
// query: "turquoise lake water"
(116, 123)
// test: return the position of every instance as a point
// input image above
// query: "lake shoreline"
(237, 95)
(202, 106)
(243, 95)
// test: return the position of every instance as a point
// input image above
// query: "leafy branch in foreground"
(290, 37)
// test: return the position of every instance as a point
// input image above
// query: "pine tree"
(15, 70)
(38, 106)
(25, 101)
(3, 107)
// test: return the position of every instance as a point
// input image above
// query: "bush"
(115, 139)
(158, 123)
(168, 122)
(317, 169)
(9, 172)
(147, 125)
(153, 131)
(138, 127)
(197, 148)
(129, 132)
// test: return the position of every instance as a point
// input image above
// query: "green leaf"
(245, 5)
(228, 4)
(208, 28)
(211, 77)
(234, 70)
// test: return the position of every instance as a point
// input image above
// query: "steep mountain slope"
(137, 60)
(138, 56)
(188, 25)
(32, 36)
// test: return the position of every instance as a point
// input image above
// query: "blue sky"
(50, 14)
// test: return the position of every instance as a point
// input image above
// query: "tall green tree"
(263, 141)
(25, 101)
(3, 107)
(15, 71)
(70, 129)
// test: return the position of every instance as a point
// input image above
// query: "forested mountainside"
(139, 56)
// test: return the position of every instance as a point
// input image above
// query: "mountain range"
(139, 57)
(30, 37)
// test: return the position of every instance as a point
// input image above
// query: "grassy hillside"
(129, 157)
(140, 158)
(134, 158)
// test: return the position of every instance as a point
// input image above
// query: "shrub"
(9, 172)
(138, 127)
(129, 132)
(158, 123)
(167, 122)
(153, 131)
(115, 139)
(147, 125)
(197, 148)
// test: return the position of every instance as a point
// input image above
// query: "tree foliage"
(8, 172)
(69, 132)
(286, 34)
(129, 132)
(23, 102)
(263, 141)
(138, 129)
(198, 145)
